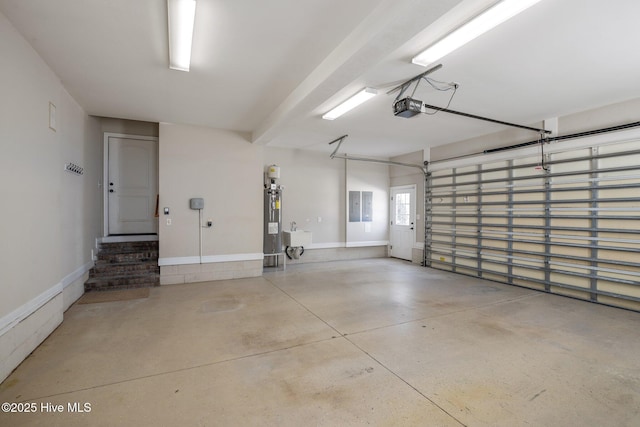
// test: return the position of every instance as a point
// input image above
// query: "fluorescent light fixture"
(351, 103)
(479, 25)
(182, 14)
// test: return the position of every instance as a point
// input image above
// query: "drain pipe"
(200, 232)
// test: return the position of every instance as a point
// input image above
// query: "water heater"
(272, 212)
(273, 220)
(273, 172)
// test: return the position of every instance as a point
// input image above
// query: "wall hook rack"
(73, 168)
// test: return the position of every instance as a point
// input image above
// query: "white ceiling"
(272, 68)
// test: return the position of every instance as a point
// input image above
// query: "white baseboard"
(25, 310)
(367, 244)
(330, 245)
(123, 239)
(78, 273)
(333, 245)
(163, 262)
(25, 336)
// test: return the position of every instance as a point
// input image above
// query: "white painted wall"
(314, 187)
(317, 186)
(223, 168)
(80, 142)
(129, 127)
(402, 175)
(50, 218)
(374, 177)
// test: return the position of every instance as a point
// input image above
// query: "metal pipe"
(583, 275)
(426, 244)
(568, 201)
(594, 268)
(548, 139)
(339, 141)
(442, 190)
(471, 255)
(386, 162)
(541, 242)
(339, 138)
(550, 162)
(536, 190)
(541, 255)
(530, 279)
(478, 235)
(531, 177)
(595, 194)
(562, 138)
(368, 159)
(541, 227)
(533, 267)
(486, 119)
(610, 217)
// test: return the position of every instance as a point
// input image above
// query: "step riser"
(150, 279)
(127, 257)
(124, 266)
(121, 270)
(122, 283)
(119, 247)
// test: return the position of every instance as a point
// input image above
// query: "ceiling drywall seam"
(382, 32)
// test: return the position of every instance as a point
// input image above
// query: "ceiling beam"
(385, 30)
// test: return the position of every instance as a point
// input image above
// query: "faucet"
(294, 227)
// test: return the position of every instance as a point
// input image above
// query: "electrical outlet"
(168, 221)
(319, 219)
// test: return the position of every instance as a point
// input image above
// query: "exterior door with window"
(402, 233)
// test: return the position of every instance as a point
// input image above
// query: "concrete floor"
(370, 342)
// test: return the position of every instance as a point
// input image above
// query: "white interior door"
(132, 185)
(403, 217)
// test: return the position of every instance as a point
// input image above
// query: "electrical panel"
(354, 206)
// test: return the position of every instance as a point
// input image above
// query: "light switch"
(166, 211)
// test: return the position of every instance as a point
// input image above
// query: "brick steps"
(124, 266)
(122, 282)
(125, 257)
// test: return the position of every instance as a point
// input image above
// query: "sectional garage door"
(568, 225)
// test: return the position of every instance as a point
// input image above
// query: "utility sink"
(296, 238)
